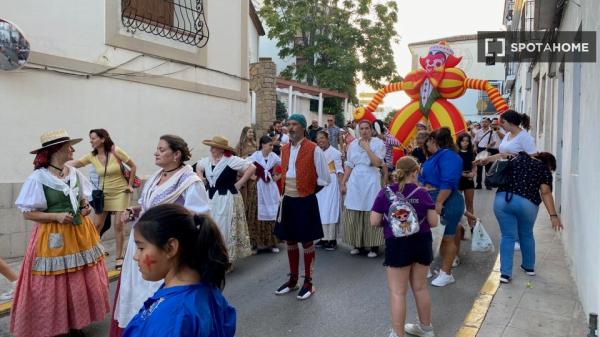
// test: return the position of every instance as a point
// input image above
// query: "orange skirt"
(65, 248)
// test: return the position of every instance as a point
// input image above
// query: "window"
(489, 107)
(180, 20)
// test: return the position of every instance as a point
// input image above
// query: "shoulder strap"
(413, 192)
(390, 195)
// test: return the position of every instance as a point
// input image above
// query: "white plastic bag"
(481, 241)
(437, 234)
(465, 225)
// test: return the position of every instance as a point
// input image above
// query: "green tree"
(335, 40)
(280, 111)
(388, 119)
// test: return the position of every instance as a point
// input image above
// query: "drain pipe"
(593, 325)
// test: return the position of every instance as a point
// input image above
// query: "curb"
(5, 307)
(481, 305)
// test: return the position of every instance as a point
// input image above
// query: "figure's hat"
(441, 47)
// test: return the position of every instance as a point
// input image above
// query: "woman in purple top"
(407, 258)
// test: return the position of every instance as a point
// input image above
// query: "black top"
(467, 157)
(276, 148)
(419, 154)
(225, 182)
(526, 175)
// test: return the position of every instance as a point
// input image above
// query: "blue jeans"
(516, 219)
(454, 208)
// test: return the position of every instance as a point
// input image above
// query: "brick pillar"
(262, 81)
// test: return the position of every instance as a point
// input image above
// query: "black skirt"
(403, 252)
(300, 220)
(466, 184)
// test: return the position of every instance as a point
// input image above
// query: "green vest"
(58, 202)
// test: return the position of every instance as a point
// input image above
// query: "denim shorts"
(453, 210)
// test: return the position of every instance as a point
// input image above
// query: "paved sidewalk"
(543, 305)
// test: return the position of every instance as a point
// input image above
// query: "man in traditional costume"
(304, 172)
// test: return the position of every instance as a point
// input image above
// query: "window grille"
(179, 20)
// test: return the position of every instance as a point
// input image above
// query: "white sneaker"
(354, 251)
(456, 262)
(372, 255)
(417, 330)
(393, 334)
(443, 279)
(517, 246)
(275, 250)
(7, 296)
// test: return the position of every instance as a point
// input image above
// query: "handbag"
(126, 172)
(483, 154)
(499, 173)
(98, 194)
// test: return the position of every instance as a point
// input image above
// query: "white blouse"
(523, 141)
(32, 198)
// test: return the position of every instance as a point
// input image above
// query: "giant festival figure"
(429, 89)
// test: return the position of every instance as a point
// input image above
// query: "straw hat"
(59, 136)
(219, 142)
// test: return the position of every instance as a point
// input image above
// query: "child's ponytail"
(209, 256)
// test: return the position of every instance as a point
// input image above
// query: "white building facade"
(88, 69)
(562, 99)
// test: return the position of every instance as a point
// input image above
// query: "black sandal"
(119, 266)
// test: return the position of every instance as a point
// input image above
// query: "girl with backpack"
(406, 212)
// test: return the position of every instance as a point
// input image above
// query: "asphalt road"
(351, 298)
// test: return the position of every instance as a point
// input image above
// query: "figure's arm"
(361, 112)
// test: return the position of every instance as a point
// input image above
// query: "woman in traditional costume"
(266, 162)
(361, 183)
(63, 285)
(245, 148)
(220, 174)
(329, 197)
(175, 182)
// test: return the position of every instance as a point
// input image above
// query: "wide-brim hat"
(219, 142)
(51, 138)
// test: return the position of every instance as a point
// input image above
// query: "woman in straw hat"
(219, 172)
(174, 182)
(63, 284)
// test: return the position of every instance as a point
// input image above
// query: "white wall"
(155, 96)
(253, 38)
(136, 114)
(573, 139)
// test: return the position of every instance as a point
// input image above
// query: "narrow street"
(351, 298)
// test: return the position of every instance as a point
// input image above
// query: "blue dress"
(197, 310)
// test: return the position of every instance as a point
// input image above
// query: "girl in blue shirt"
(440, 175)
(186, 251)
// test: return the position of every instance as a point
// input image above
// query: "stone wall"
(263, 82)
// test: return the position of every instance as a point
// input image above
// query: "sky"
(421, 20)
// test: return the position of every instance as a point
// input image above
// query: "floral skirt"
(70, 288)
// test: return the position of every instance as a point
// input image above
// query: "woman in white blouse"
(175, 182)
(219, 172)
(516, 140)
(361, 183)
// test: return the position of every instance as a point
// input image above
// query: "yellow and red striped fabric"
(443, 113)
(452, 84)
